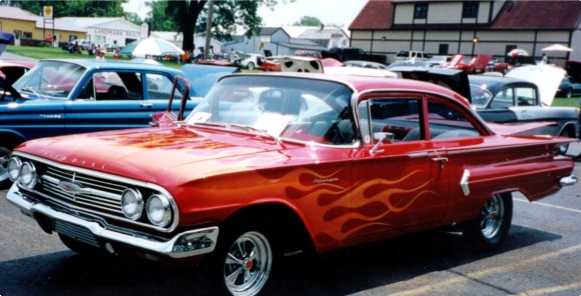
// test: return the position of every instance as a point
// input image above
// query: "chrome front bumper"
(185, 244)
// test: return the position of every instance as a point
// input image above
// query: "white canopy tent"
(557, 48)
(156, 47)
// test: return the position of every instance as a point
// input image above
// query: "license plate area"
(76, 232)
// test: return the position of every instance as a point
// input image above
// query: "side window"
(503, 99)
(525, 96)
(159, 87)
(114, 86)
(447, 123)
(400, 118)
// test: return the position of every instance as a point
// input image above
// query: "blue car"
(59, 97)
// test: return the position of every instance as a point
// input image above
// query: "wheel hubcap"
(492, 216)
(247, 265)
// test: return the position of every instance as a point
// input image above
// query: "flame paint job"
(344, 196)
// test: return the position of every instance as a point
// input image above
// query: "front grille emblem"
(70, 187)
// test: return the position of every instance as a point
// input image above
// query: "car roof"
(495, 84)
(96, 64)
(362, 84)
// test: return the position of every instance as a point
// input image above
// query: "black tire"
(569, 94)
(260, 271)
(82, 249)
(4, 154)
(251, 66)
(484, 235)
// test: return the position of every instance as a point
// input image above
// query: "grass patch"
(562, 102)
(45, 53)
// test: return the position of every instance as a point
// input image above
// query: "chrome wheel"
(247, 264)
(492, 217)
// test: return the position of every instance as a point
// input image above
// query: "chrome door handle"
(442, 160)
(146, 105)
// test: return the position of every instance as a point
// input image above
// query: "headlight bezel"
(140, 204)
(18, 161)
(34, 175)
(168, 215)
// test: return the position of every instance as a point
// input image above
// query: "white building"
(491, 27)
(287, 40)
(106, 31)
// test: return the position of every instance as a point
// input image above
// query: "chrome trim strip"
(128, 181)
(171, 248)
(464, 183)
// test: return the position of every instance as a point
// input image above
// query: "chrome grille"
(96, 194)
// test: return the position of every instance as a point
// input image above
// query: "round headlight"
(132, 204)
(14, 165)
(159, 210)
(27, 176)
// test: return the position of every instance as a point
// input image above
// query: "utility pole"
(209, 29)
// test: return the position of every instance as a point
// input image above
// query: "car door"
(461, 138)
(109, 99)
(400, 179)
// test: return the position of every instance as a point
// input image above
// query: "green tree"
(134, 18)
(309, 21)
(74, 7)
(157, 18)
(184, 15)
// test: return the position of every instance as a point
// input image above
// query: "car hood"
(547, 78)
(165, 156)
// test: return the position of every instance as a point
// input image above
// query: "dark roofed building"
(468, 27)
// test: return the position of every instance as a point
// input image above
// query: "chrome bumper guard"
(568, 181)
(186, 244)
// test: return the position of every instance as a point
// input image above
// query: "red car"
(279, 164)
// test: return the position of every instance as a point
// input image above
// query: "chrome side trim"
(128, 181)
(186, 244)
(568, 181)
(464, 183)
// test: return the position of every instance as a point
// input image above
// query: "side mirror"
(163, 119)
(380, 137)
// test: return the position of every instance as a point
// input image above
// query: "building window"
(26, 35)
(443, 49)
(421, 11)
(470, 9)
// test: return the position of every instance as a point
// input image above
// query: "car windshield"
(289, 108)
(480, 95)
(53, 79)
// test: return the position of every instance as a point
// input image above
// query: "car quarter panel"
(496, 164)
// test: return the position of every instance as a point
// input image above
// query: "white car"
(250, 61)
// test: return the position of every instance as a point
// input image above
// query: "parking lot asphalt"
(541, 257)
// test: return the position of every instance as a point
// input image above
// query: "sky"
(337, 12)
